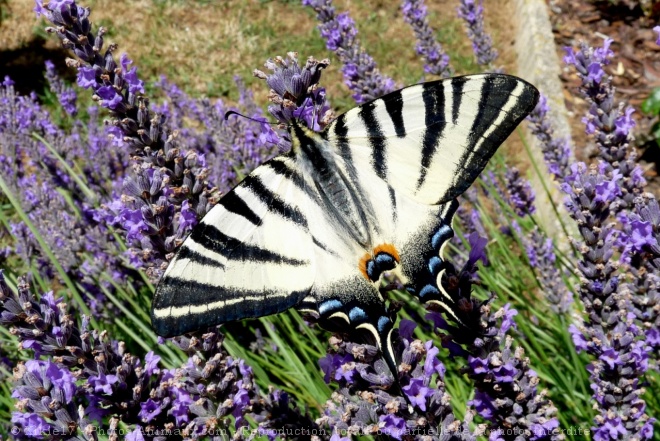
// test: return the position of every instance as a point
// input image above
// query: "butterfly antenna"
(233, 112)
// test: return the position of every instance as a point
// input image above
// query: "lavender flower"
(436, 59)
(295, 91)
(473, 15)
(360, 72)
(117, 87)
(366, 403)
(230, 149)
(609, 334)
(507, 395)
(65, 95)
(656, 29)
(520, 194)
(540, 251)
(610, 125)
(469, 218)
(556, 152)
(640, 241)
(514, 405)
(45, 395)
(88, 377)
(62, 242)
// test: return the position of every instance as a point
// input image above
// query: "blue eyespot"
(370, 270)
(435, 265)
(357, 314)
(383, 322)
(329, 306)
(428, 290)
(443, 234)
(384, 259)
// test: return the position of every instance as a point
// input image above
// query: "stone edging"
(539, 64)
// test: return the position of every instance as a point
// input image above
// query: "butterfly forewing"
(431, 141)
(250, 256)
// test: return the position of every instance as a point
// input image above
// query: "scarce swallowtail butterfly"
(316, 227)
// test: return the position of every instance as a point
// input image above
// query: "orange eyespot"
(389, 249)
(386, 248)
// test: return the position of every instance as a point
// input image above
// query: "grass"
(200, 46)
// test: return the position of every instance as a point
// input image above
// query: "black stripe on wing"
(376, 138)
(489, 109)
(495, 94)
(457, 94)
(281, 167)
(394, 107)
(235, 204)
(392, 196)
(275, 203)
(175, 297)
(341, 132)
(434, 118)
(324, 247)
(217, 242)
(194, 256)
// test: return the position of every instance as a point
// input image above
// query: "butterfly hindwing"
(416, 150)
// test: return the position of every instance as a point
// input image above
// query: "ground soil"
(635, 68)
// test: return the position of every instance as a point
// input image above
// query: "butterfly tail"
(386, 347)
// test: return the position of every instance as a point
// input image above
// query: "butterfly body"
(318, 226)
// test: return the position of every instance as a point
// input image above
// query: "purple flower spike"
(656, 29)
(506, 385)
(520, 193)
(65, 95)
(472, 12)
(93, 382)
(609, 334)
(295, 91)
(38, 177)
(372, 389)
(360, 72)
(610, 124)
(640, 244)
(556, 152)
(436, 60)
(541, 253)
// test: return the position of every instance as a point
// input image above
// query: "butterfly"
(317, 227)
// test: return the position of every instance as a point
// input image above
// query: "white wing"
(252, 255)
(430, 141)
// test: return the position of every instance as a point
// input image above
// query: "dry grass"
(202, 45)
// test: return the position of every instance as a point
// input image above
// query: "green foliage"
(651, 106)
